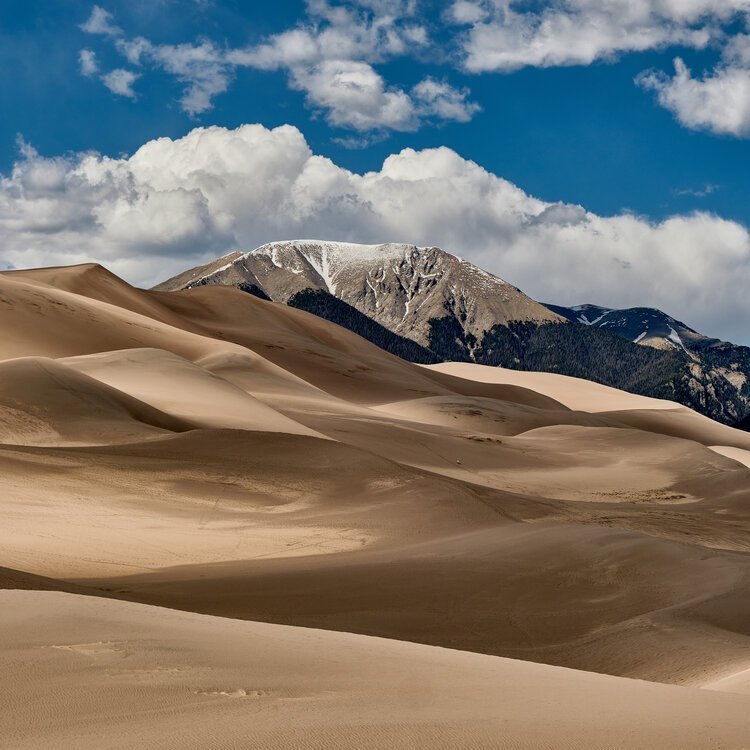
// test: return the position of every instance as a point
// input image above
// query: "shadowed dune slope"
(215, 495)
(43, 402)
(92, 281)
(641, 412)
(40, 320)
(85, 309)
(330, 357)
(189, 391)
(575, 393)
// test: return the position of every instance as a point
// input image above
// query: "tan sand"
(124, 675)
(575, 393)
(735, 682)
(177, 386)
(44, 402)
(740, 455)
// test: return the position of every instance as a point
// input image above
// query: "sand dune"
(212, 452)
(740, 455)
(199, 498)
(331, 358)
(735, 682)
(491, 416)
(682, 423)
(44, 402)
(580, 459)
(593, 598)
(124, 675)
(94, 282)
(41, 320)
(185, 390)
(575, 393)
(619, 407)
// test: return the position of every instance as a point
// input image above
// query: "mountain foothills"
(228, 522)
(428, 306)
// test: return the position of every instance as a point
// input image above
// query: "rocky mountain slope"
(641, 325)
(427, 305)
(403, 287)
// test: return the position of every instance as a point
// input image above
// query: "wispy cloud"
(202, 68)
(442, 100)
(120, 82)
(331, 57)
(334, 55)
(101, 21)
(88, 63)
(701, 192)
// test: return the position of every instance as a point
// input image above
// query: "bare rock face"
(402, 287)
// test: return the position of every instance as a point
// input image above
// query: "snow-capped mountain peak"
(403, 287)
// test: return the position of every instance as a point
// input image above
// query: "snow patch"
(674, 338)
(583, 318)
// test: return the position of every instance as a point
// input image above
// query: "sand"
(740, 455)
(575, 393)
(126, 675)
(167, 458)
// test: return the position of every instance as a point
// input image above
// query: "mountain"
(426, 305)
(641, 325)
(654, 328)
(403, 287)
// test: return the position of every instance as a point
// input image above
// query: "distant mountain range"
(641, 325)
(427, 305)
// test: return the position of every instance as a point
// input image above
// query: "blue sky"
(583, 134)
(574, 102)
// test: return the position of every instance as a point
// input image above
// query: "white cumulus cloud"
(504, 36)
(330, 56)
(355, 95)
(718, 101)
(175, 203)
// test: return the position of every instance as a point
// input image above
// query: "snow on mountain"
(400, 286)
(641, 325)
